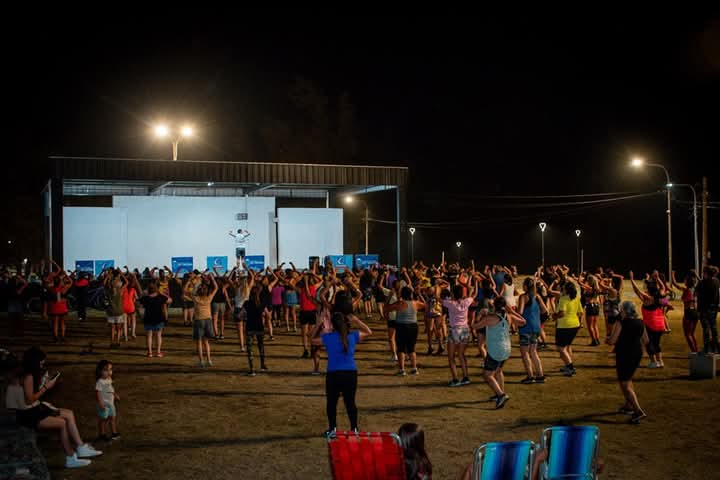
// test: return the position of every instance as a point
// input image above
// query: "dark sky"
(475, 106)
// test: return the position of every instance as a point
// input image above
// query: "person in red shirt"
(130, 293)
(81, 285)
(57, 305)
(307, 289)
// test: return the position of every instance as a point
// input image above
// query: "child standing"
(105, 397)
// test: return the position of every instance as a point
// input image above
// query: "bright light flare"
(161, 131)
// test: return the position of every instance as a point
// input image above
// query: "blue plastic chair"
(572, 453)
(503, 461)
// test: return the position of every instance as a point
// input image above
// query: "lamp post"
(162, 131)
(412, 244)
(542, 226)
(578, 232)
(459, 245)
(350, 199)
(695, 231)
(639, 162)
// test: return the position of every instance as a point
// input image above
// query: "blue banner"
(255, 262)
(366, 261)
(217, 263)
(341, 262)
(183, 264)
(102, 265)
(87, 266)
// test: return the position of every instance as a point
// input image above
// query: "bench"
(704, 366)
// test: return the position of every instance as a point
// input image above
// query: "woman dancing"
(690, 313)
(531, 307)
(591, 295)
(568, 317)
(654, 320)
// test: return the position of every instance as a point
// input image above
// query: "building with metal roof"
(98, 178)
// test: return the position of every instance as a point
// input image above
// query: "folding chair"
(503, 461)
(366, 456)
(572, 453)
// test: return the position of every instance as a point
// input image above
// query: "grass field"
(178, 421)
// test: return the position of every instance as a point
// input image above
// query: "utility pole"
(705, 196)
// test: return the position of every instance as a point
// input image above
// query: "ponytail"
(341, 326)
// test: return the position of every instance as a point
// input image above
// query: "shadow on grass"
(568, 421)
(213, 393)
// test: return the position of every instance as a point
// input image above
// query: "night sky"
(476, 107)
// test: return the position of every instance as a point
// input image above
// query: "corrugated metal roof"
(129, 169)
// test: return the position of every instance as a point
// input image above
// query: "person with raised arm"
(654, 320)
(531, 307)
(202, 324)
(690, 311)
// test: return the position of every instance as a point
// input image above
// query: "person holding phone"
(40, 415)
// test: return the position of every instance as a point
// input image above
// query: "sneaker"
(87, 451)
(440, 350)
(568, 372)
(652, 365)
(414, 371)
(201, 364)
(635, 419)
(160, 354)
(493, 398)
(271, 338)
(149, 354)
(264, 368)
(251, 373)
(315, 372)
(539, 379)
(429, 351)
(661, 364)
(242, 349)
(221, 337)
(501, 401)
(209, 363)
(115, 436)
(626, 411)
(453, 383)
(527, 380)
(330, 433)
(356, 431)
(305, 354)
(394, 358)
(75, 462)
(465, 381)
(401, 373)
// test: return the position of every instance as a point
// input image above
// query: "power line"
(527, 197)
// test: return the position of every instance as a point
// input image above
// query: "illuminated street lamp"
(162, 131)
(578, 232)
(542, 226)
(412, 244)
(639, 162)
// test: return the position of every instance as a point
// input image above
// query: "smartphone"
(54, 376)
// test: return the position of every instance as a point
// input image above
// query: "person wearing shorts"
(568, 314)
(391, 295)
(202, 323)
(406, 328)
(531, 307)
(498, 346)
(115, 281)
(154, 304)
(459, 333)
(308, 311)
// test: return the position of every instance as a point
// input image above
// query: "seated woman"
(417, 463)
(43, 416)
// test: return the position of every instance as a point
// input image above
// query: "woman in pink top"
(459, 334)
(654, 320)
(277, 302)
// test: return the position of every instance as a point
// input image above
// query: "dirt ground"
(178, 421)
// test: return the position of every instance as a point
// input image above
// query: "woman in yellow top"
(568, 313)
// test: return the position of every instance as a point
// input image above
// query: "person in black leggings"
(341, 377)
(628, 335)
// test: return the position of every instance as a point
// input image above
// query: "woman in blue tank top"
(530, 306)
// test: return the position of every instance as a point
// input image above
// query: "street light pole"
(543, 226)
(162, 131)
(639, 162)
(579, 263)
(412, 244)
(459, 244)
(366, 228)
(695, 230)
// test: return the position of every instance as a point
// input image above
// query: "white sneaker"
(87, 451)
(661, 365)
(652, 365)
(74, 462)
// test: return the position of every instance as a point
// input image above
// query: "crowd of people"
(461, 308)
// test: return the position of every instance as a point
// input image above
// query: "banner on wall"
(366, 261)
(181, 265)
(217, 263)
(102, 265)
(341, 262)
(87, 266)
(255, 262)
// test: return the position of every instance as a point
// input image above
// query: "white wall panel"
(306, 232)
